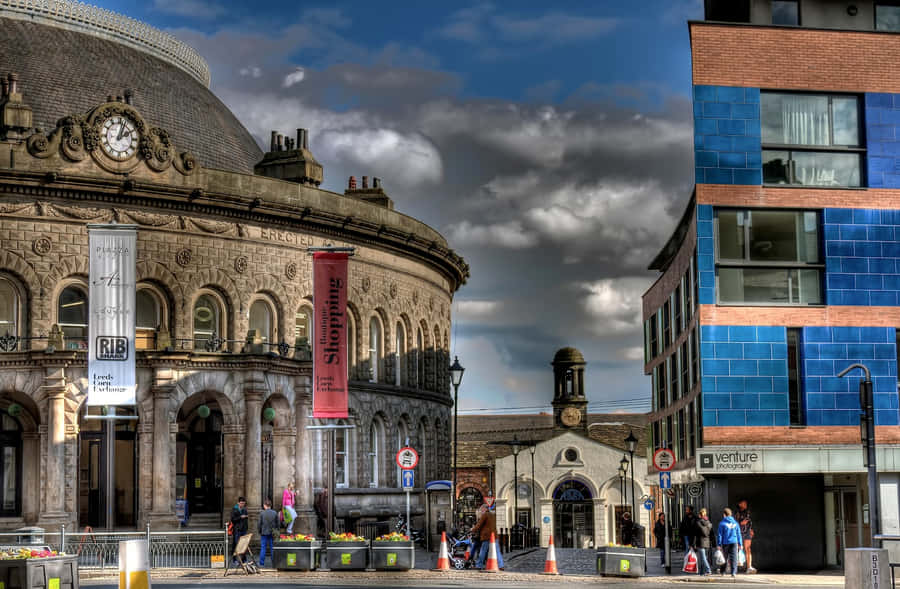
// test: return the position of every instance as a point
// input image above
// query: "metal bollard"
(134, 569)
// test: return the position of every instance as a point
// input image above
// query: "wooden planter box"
(296, 556)
(347, 556)
(54, 572)
(393, 556)
(620, 561)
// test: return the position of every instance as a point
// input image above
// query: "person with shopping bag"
(289, 514)
(690, 562)
(728, 536)
(701, 540)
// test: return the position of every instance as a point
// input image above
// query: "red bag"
(690, 562)
(231, 528)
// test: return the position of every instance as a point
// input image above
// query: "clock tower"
(569, 402)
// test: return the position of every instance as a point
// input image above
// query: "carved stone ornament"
(99, 134)
(184, 257)
(41, 246)
(240, 264)
(392, 290)
(431, 303)
(290, 271)
(415, 297)
(366, 284)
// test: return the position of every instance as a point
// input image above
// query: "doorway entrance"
(200, 460)
(843, 522)
(573, 515)
(107, 477)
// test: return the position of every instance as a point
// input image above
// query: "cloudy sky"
(549, 142)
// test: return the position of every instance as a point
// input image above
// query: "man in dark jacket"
(239, 524)
(268, 523)
(701, 539)
(483, 529)
(686, 527)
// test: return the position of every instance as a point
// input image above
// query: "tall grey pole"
(455, 501)
(516, 490)
(634, 515)
(329, 523)
(533, 511)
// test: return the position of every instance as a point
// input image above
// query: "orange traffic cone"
(443, 562)
(491, 565)
(550, 563)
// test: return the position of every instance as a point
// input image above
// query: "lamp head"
(631, 442)
(623, 464)
(456, 372)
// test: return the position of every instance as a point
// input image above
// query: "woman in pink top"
(287, 504)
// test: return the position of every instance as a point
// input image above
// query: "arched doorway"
(470, 499)
(573, 515)
(107, 477)
(199, 476)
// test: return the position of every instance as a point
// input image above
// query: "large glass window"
(207, 319)
(11, 466)
(768, 257)
(9, 307)
(302, 332)
(654, 336)
(375, 350)
(72, 317)
(887, 16)
(400, 355)
(340, 456)
(374, 452)
(811, 139)
(795, 392)
(262, 319)
(147, 319)
(785, 12)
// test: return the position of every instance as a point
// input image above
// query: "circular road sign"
(695, 489)
(664, 459)
(648, 504)
(407, 458)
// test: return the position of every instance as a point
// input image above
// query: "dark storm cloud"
(557, 209)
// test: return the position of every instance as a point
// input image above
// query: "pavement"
(522, 566)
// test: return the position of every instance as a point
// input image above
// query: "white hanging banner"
(111, 373)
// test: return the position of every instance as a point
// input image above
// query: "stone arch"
(30, 284)
(271, 286)
(65, 267)
(155, 273)
(284, 414)
(30, 417)
(353, 348)
(194, 388)
(215, 279)
(573, 476)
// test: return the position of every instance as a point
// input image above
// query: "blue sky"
(551, 143)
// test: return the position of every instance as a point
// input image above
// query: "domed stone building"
(223, 303)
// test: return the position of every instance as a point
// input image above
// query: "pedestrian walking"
(747, 533)
(268, 523)
(476, 535)
(288, 500)
(483, 529)
(659, 532)
(686, 527)
(728, 536)
(238, 524)
(702, 541)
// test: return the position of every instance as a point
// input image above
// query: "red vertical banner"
(330, 335)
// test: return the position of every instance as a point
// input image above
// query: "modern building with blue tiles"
(783, 271)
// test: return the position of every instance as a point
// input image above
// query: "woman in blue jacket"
(728, 537)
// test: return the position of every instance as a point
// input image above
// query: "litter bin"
(866, 568)
(393, 556)
(296, 556)
(55, 572)
(347, 556)
(621, 561)
(30, 535)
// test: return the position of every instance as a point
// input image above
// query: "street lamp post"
(867, 434)
(631, 444)
(621, 471)
(456, 373)
(533, 507)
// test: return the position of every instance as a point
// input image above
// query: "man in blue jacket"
(728, 537)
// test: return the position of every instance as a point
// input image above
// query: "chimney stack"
(376, 182)
(279, 142)
(289, 159)
(365, 180)
(129, 93)
(352, 184)
(274, 141)
(13, 83)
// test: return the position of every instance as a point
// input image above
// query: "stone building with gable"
(223, 295)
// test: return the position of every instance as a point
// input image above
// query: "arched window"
(10, 307)
(72, 316)
(262, 319)
(148, 315)
(10, 466)
(402, 437)
(375, 431)
(423, 455)
(375, 349)
(420, 359)
(351, 346)
(400, 355)
(341, 463)
(302, 331)
(208, 318)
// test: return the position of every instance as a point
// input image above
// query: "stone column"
(31, 476)
(163, 513)
(54, 480)
(283, 462)
(253, 450)
(306, 514)
(233, 449)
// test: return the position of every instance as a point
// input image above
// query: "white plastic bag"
(742, 558)
(718, 557)
(690, 562)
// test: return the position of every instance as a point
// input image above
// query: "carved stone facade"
(238, 239)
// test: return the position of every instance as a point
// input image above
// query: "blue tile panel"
(883, 140)
(727, 135)
(862, 257)
(745, 374)
(706, 260)
(828, 350)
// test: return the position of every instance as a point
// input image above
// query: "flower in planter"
(393, 537)
(296, 538)
(345, 537)
(27, 553)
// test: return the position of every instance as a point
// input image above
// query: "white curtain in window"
(805, 120)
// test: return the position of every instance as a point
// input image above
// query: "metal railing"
(183, 549)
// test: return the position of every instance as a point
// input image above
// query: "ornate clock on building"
(571, 416)
(119, 137)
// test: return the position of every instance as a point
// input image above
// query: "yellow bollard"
(134, 564)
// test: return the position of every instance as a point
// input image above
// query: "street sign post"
(664, 459)
(665, 480)
(407, 458)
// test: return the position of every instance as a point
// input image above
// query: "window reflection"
(72, 317)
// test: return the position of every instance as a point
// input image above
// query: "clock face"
(119, 137)
(571, 416)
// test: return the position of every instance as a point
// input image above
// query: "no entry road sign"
(407, 458)
(664, 459)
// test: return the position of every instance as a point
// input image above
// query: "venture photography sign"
(729, 460)
(111, 327)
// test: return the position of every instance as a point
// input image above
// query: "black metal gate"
(268, 464)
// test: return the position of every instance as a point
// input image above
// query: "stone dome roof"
(64, 72)
(568, 354)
